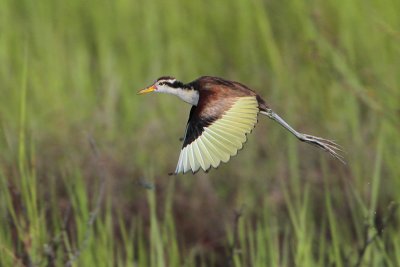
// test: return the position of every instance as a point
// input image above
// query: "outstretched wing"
(214, 133)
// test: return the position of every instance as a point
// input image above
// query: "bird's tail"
(329, 146)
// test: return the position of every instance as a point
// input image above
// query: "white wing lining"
(222, 139)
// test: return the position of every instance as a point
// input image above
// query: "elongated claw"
(325, 144)
(328, 145)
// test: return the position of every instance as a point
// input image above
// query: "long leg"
(327, 145)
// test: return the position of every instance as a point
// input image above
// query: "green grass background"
(69, 73)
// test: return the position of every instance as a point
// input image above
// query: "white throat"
(189, 96)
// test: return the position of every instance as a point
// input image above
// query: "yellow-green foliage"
(69, 73)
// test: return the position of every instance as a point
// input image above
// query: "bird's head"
(162, 85)
(170, 85)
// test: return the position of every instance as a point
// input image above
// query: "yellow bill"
(147, 90)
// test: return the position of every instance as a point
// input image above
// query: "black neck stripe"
(178, 84)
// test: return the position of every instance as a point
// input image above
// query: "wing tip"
(183, 171)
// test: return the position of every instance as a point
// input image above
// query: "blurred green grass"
(70, 72)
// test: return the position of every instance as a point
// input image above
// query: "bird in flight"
(223, 113)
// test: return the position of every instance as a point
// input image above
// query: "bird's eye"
(161, 83)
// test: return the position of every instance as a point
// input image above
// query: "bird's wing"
(214, 134)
